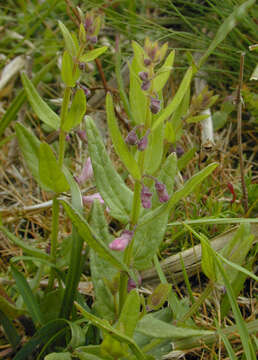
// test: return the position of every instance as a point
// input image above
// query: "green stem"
(54, 237)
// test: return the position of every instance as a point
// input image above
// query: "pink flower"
(88, 199)
(120, 243)
(131, 285)
(87, 172)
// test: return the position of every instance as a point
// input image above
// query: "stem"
(64, 110)
(239, 132)
(54, 236)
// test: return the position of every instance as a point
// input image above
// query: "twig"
(239, 132)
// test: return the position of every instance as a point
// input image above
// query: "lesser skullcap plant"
(126, 328)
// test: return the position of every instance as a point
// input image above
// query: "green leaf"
(157, 299)
(118, 141)
(163, 73)
(226, 27)
(112, 188)
(208, 261)
(91, 352)
(185, 159)
(156, 328)
(43, 111)
(58, 356)
(30, 250)
(104, 325)
(69, 42)
(10, 310)
(17, 103)
(101, 270)
(27, 295)
(196, 119)
(172, 106)
(130, 314)
(50, 173)
(67, 69)
(93, 54)
(29, 145)
(154, 151)
(9, 330)
(90, 238)
(77, 111)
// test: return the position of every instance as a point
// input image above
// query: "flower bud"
(143, 75)
(87, 172)
(86, 90)
(88, 199)
(92, 39)
(143, 142)
(68, 138)
(120, 243)
(161, 191)
(145, 85)
(131, 285)
(147, 61)
(82, 135)
(154, 105)
(146, 197)
(132, 138)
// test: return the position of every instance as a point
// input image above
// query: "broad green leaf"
(43, 111)
(9, 330)
(118, 141)
(91, 239)
(10, 310)
(51, 176)
(69, 42)
(91, 352)
(93, 54)
(154, 151)
(138, 53)
(226, 27)
(172, 106)
(157, 299)
(130, 314)
(156, 328)
(16, 104)
(185, 158)
(67, 69)
(28, 249)
(163, 73)
(117, 196)
(118, 335)
(76, 112)
(149, 236)
(59, 356)
(29, 145)
(101, 269)
(77, 335)
(27, 295)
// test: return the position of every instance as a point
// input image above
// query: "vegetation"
(117, 182)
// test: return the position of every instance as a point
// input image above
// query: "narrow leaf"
(27, 295)
(43, 111)
(50, 173)
(77, 111)
(118, 141)
(9, 330)
(163, 73)
(69, 42)
(67, 69)
(93, 54)
(130, 314)
(171, 107)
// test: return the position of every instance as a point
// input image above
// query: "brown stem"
(239, 132)
(75, 12)
(101, 72)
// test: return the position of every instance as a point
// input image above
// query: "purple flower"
(87, 172)
(132, 138)
(154, 105)
(146, 197)
(147, 61)
(131, 285)
(161, 191)
(120, 243)
(143, 142)
(86, 90)
(92, 39)
(68, 138)
(143, 75)
(145, 85)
